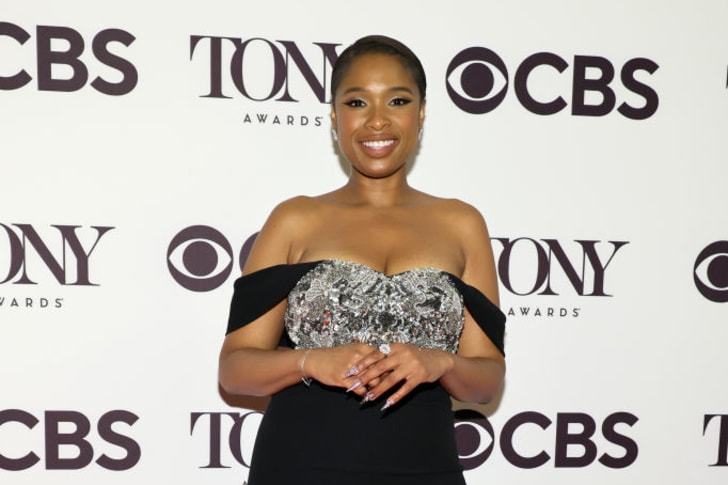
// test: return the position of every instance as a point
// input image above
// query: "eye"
(711, 272)
(400, 101)
(477, 80)
(200, 258)
(355, 103)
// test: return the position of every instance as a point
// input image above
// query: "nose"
(378, 119)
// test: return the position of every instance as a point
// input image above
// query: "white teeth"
(378, 143)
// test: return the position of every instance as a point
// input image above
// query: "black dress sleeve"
(258, 292)
(488, 316)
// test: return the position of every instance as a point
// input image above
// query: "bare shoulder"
(466, 223)
(287, 221)
(294, 207)
(462, 217)
(460, 208)
(295, 214)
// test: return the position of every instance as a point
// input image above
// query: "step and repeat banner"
(143, 144)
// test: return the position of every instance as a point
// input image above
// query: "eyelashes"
(360, 103)
(400, 101)
(355, 103)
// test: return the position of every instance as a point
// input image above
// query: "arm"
(475, 377)
(250, 362)
(477, 371)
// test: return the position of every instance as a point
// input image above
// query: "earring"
(334, 134)
(419, 134)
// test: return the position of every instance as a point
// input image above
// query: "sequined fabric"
(340, 302)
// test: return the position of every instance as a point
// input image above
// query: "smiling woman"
(363, 310)
(377, 115)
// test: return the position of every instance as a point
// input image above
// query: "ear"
(333, 119)
(422, 112)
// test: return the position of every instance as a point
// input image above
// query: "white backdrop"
(119, 130)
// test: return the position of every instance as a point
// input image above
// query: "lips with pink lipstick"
(378, 147)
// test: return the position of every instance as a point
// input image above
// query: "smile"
(377, 143)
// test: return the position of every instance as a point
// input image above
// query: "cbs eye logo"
(200, 258)
(472, 85)
(711, 272)
(475, 438)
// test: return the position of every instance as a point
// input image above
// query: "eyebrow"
(357, 89)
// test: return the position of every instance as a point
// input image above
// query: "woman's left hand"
(405, 365)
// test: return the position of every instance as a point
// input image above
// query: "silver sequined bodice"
(340, 302)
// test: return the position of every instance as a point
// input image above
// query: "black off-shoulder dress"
(321, 435)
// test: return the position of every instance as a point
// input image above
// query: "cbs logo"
(60, 48)
(66, 431)
(573, 439)
(477, 81)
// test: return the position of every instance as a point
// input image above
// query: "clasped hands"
(370, 372)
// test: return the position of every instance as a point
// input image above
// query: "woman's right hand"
(334, 366)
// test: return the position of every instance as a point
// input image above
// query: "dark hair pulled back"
(379, 44)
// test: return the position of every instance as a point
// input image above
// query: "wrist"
(305, 378)
(449, 361)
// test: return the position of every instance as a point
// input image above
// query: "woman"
(350, 309)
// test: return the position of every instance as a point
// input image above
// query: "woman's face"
(377, 114)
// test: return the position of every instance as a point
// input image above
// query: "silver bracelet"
(306, 380)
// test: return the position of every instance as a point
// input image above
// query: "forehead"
(377, 69)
